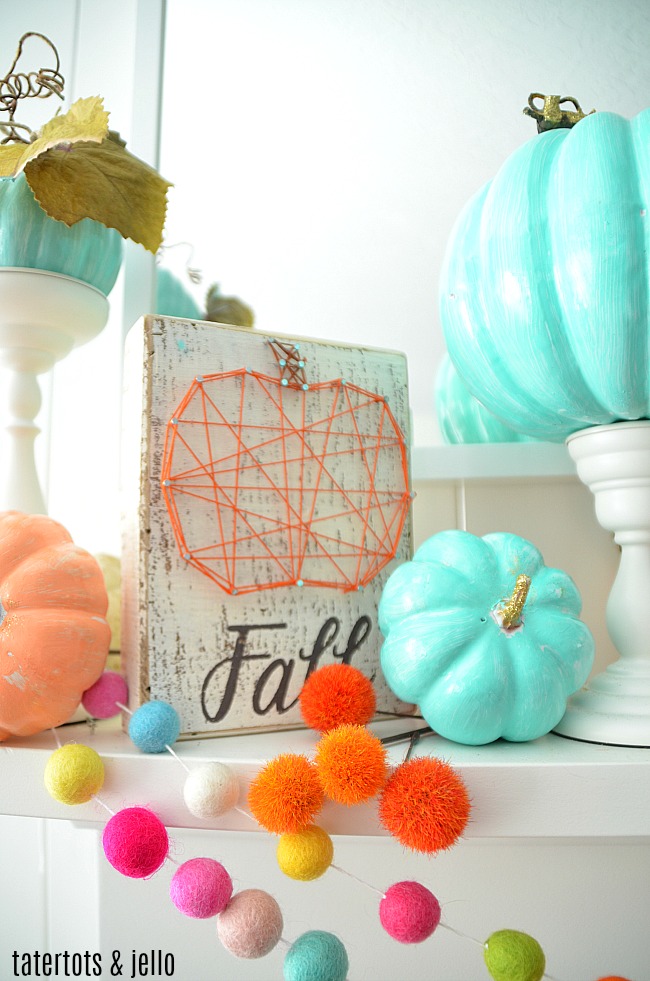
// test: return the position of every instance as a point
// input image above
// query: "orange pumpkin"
(54, 637)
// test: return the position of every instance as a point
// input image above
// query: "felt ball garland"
(210, 790)
(305, 854)
(251, 924)
(201, 888)
(154, 726)
(316, 956)
(74, 774)
(103, 699)
(135, 842)
(514, 956)
(409, 912)
(423, 804)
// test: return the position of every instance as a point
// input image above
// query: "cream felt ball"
(306, 854)
(154, 726)
(101, 699)
(135, 842)
(251, 924)
(73, 774)
(409, 912)
(211, 790)
(514, 956)
(201, 888)
(316, 956)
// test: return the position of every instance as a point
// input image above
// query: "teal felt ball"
(316, 956)
(154, 726)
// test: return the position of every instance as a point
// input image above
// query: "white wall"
(381, 94)
(322, 151)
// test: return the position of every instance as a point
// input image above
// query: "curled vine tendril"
(15, 86)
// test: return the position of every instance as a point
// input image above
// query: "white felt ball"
(210, 790)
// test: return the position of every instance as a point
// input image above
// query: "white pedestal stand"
(614, 462)
(43, 315)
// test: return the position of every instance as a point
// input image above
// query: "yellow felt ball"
(305, 854)
(73, 774)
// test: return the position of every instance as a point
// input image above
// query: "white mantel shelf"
(492, 461)
(550, 788)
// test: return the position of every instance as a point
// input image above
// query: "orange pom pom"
(425, 805)
(351, 764)
(335, 695)
(613, 977)
(286, 794)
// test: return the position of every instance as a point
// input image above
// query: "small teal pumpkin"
(544, 293)
(460, 643)
(462, 418)
(173, 299)
(30, 239)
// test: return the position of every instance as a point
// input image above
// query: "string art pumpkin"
(484, 637)
(265, 464)
(54, 637)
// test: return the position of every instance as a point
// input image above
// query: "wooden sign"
(266, 500)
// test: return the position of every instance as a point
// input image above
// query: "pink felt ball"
(409, 912)
(200, 888)
(100, 700)
(251, 924)
(135, 842)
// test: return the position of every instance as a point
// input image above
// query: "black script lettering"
(326, 637)
(235, 662)
(357, 637)
(281, 691)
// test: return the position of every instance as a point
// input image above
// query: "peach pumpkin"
(54, 637)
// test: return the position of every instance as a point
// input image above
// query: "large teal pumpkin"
(30, 239)
(477, 674)
(545, 287)
(461, 417)
(173, 299)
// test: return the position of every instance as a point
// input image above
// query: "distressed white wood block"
(243, 497)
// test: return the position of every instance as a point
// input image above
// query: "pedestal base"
(614, 462)
(43, 315)
(613, 709)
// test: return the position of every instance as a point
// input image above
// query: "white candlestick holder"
(43, 315)
(614, 707)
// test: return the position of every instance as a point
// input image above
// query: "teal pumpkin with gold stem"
(484, 637)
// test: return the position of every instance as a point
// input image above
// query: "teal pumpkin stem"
(551, 114)
(509, 611)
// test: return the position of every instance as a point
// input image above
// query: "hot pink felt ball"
(200, 888)
(101, 698)
(135, 842)
(251, 924)
(409, 912)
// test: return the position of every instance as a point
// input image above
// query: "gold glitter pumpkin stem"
(553, 113)
(510, 609)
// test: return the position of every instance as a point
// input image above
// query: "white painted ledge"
(476, 461)
(549, 788)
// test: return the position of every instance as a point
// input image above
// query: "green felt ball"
(316, 956)
(514, 956)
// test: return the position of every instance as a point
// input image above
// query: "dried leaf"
(105, 182)
(86, 120)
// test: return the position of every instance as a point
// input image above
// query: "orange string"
(282, 513)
